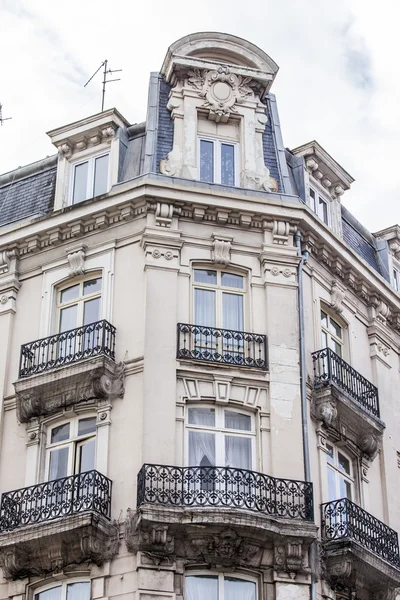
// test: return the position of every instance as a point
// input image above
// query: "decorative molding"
(76, 259)
(291, 557)
(221, 251)
(49, 392)
(221, 90)
(337, 296)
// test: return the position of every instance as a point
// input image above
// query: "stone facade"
(109, 368)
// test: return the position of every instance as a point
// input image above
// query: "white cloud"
(337, 82)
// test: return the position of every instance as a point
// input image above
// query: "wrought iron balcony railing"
(342, 519)
(225, 487)
(85, 492)
(67, 347)
(331, 369)
(227, 346)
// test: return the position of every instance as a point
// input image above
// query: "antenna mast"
(106, 71)
(1, 116)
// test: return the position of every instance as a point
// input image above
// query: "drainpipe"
(303, 390)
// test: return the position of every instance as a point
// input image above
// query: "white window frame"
(91, 160)
(396, 274)
(329, 334)
(218, 142)
(79, 300)
(219, 289)
(63, 585)
(220, 432)
(348, 477)
(315, 208)
(73, 441)
(221, 577)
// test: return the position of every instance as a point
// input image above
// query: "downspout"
(303, 390)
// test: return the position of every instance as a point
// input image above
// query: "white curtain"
(238, 452)
(78, 591)
(204, 307)
(234, 420)
(201, 449)
(237, 589)
(201, 588)
(232, 308)
(51, 594)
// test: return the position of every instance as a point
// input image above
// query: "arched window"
(219, 436)
(219, 298)
(78, 303)
(340, 474)
(220, 586)
(71, 447)
(75, 590)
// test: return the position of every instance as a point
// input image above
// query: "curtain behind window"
(201, 588)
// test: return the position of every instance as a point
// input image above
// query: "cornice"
(171, 199)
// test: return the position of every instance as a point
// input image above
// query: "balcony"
(360, 550)
(346, 399)
(222, 516)
(222, 346)
(80, 360)
(66, 520)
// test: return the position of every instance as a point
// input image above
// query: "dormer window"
(319, 205)
(90, 178)
(218, 161)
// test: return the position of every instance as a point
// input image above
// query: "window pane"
(87, 426)
(344, 463)
(324, 337)
(60, 433)
(323, 210)
(100, 175)
(58, 466)
(69, 293)
(332, 495)
(231, 280)
(238, 452)
(89, 287)
(330, 453)
(86, 457)
(206, 161)
(91, 310)
(237, 589)
(335, 328)
(80, 182)
(232, 311)
(202, 416)
(204, 307)
(201, 449)
(78, 591)
(227, 164)
(204, 276)
(324, 319)
(345, 489)
(336, 347)
(68, 318)
(51, 594)
(202, 586)
(235, 420)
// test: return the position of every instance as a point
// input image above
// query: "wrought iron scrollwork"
(331, 369)
(227, 346)
(90, 491)
(225, 487)
(68, 347)
(342, 519)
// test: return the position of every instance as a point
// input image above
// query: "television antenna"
(106, 72)
(2, 119)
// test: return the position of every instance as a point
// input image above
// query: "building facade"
(200, 356)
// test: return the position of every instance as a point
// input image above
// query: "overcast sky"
(338, 81)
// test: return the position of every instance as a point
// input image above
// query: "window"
(218, 299)
(319, 206)
(218, 161)
(340, 475)
(332, 333)
(396, 280)
(90, 178)
(220, 437)
(79, 304)
(78, 590)
(71, 448)
(218, 587)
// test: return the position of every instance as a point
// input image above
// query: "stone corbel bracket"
(221, 251)
(291, 557)
(337, 296)
(76, 259)
(47, 393)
